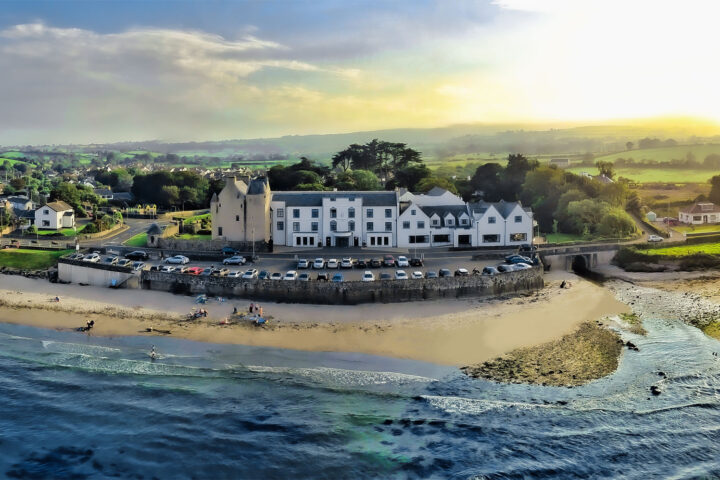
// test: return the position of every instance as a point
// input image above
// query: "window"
(296, 213)
(441, 238)
(280, 212)
(351, 212)
(406, 225)
(297, 240)
(450, 222)
(418, 239)
(281, 226)
(219, 231)
(314, 226)
(518, 218)
(315, 213)
(351, 225)
(491, 238)
(435, 222)
(333, 226)
(388, 213)
(237, 218)
(412, 212)
(388, 226)
(47, 212)
(697, 218)
(332, 199)
(296, 226)
(370, 226)
(333, 212)
(491, 219)
(312, 241)
(518, 237)
(369, 213)
(463, 221)
(421, 224)
(46, 223)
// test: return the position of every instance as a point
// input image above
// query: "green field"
(30, 259)
(195, 218)
(139, 240)
(562, 237)
(697, 228)
(655, 175)
(708, 248)
(12, 161)
(664, 154)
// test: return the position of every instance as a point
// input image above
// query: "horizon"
(82, 72)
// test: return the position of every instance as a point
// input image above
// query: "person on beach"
(250, 309)
(57, 299)
(235, 311)
(260, 312)
(562, 285)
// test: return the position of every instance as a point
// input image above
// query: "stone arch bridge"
(584, 257)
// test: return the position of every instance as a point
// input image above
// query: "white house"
(54, 216)
(502, 223)
(700, 213)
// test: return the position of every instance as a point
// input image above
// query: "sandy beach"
(458, 332)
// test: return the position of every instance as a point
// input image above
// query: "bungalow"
(54, 216)
(700, 213)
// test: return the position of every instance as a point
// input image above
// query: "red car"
(389, 261)
(195, 270)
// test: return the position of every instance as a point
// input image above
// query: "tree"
(428, 183)
(605, 168)
(409, 176)
(634, 204)
(616, 224)
(487, 179)
(714, 195)
(629, 145)
(587, 214)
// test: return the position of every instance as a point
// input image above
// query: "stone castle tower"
(241, 212)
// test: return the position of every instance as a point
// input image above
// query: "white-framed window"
(369, 213)
(315, 213)
(491, 219)
(421, 224)
(463, 221)
(280, 212)
(388, 226)
(406, 225)
(333, 226)
(296, 226)
(388, 213)
(314, 226)
(333, 212)
(518, 218)
(435, 222)
(351, 225)
(370, 226)
(280, 226)
(351, 212)
(296, 213)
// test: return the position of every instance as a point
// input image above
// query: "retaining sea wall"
(347, 293)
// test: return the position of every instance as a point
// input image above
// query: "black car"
(323, 277)
(376, 263)
(385, 276)
(229, 251)
(431, 274)
(416, 262)
(361, 264)
(137, 255)
(444, 272)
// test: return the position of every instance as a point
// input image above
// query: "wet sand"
(456, 332)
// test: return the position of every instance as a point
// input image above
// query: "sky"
(80, 71)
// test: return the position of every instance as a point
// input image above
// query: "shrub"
(90, 228)
(699, 261)
(204, 232)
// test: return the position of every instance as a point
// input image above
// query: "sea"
(74, 406)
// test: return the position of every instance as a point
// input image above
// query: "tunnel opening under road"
(581, 267)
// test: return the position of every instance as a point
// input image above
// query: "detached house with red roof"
(700, 214)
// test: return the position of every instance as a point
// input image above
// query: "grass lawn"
(139, 240)
(562, 237)
(190, 236)
(66, 232)
(195, 218)
(30, 259)
(697, 228)
(709, 248)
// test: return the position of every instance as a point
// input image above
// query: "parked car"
(167, 269)
(206, 272)
(195, 270)
(526, 247)
(304, 277)
(346, 263)
(234, 260)
(110, 261)
(303, 263)
(263, 275)
(400, 275)
(155, 268)
(290, 275)
(431, 274)
(389, 261)
(444, 272)
(462, 272)
(235, 274)
(322, 277)
(229, 251)
(124, 262)
(177, 260)
(276, 276)
(361, 264)
(522, 266)
(375, 263)
(655, 238)
(337, 278)
(181, 269)
(91, 257)
(220, 272)
(385, 276)
(368, 276)
(137, 255)
(332, 263)
(75, 256)
(490, 271)
(506, 268)
(416, 275)
(251, 273)
(319, 263)
(138, 265)
(402, 261)
(517, 258)
(416, 262)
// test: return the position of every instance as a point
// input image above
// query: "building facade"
(700, 213)
(54, 216)
(241, 212)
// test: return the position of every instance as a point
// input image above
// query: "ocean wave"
(474, 406)
(344, 376)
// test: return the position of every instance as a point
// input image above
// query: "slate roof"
(103, 192)
(698, 208)
(59, 206)
(154, 229)
(503, 207)
(442, 211)
(314, 199)
(122, 196)
(436, 192)
(257, 186)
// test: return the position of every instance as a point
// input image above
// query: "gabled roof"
(315, 199)
(436, 192)
(103, 192)
(701, 207)
(443, 211)
(257, 186)
(504, 208)
(154, 229)
(58, 206)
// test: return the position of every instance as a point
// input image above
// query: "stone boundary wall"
(178, 244)
(347, 293)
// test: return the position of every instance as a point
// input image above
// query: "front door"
(342, 242)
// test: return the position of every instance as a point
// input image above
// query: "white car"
(346, 263)
(167, 269)
(235, 274)
(332, 263)
(91, 257)
(303, 264)
(400, 275)
(234, 260)
(177, 260)
(368, 276)
(250, 274)
(522, 266)
(402, 261)
(319, 263)
(290, 275)
(416, 275)
(655, 238)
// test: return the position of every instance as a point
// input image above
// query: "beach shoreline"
(447, 332)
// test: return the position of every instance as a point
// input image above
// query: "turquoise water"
(75, 406)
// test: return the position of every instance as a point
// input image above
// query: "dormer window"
(435, 222)
(449, 221)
